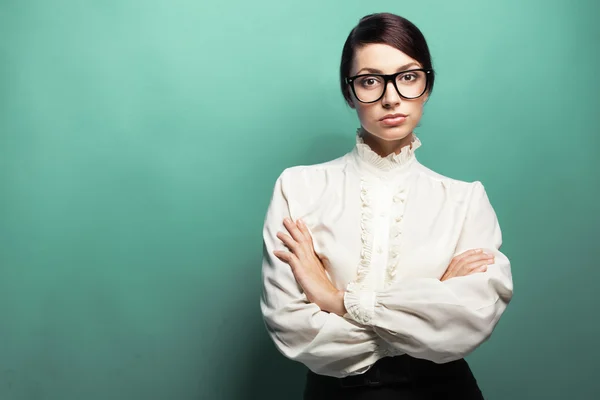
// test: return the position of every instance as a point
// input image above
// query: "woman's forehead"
(380, 56)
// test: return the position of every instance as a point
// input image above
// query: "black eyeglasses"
(410, 84)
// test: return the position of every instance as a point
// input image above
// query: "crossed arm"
(342, 332)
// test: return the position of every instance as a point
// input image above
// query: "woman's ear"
(349, 99)
(425, 97)
(350, 102)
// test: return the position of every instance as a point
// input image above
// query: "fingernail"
(300, 221)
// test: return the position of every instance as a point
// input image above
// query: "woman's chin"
(392, 134)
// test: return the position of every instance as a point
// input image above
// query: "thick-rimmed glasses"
(410, 84)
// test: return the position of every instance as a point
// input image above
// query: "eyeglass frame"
(389, 77)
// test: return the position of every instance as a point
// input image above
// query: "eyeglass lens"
(411, 84)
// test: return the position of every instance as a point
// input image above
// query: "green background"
(140, 142)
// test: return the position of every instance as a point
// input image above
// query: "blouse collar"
(391, 162)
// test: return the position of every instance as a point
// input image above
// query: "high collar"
(367, 158)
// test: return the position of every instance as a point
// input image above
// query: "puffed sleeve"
(443, 321)
(325, 342)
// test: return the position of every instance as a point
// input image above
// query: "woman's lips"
(393, 121)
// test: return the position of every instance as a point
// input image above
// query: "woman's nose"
(391, 96)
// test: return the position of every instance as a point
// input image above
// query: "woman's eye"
(371, 81)
(408, 78)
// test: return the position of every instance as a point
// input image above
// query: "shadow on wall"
(329, 147)
(243, 363)
(266, 373)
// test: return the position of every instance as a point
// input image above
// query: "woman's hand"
(308, 268)
(468, 262)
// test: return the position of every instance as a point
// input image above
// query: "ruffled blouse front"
(380, 229)
(386, 229)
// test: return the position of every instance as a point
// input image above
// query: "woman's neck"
(385, 147)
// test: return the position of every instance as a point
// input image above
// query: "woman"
(379, 274)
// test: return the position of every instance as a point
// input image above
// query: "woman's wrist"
(336, 304)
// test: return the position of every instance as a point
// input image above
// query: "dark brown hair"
(390, 29)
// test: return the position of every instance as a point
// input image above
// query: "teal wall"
(140, 141)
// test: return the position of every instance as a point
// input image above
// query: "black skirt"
(399, 378)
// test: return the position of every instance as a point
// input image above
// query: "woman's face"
(384, 59)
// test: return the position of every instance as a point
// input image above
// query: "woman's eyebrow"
(377, 71)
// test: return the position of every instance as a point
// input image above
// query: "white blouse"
(387, 227)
